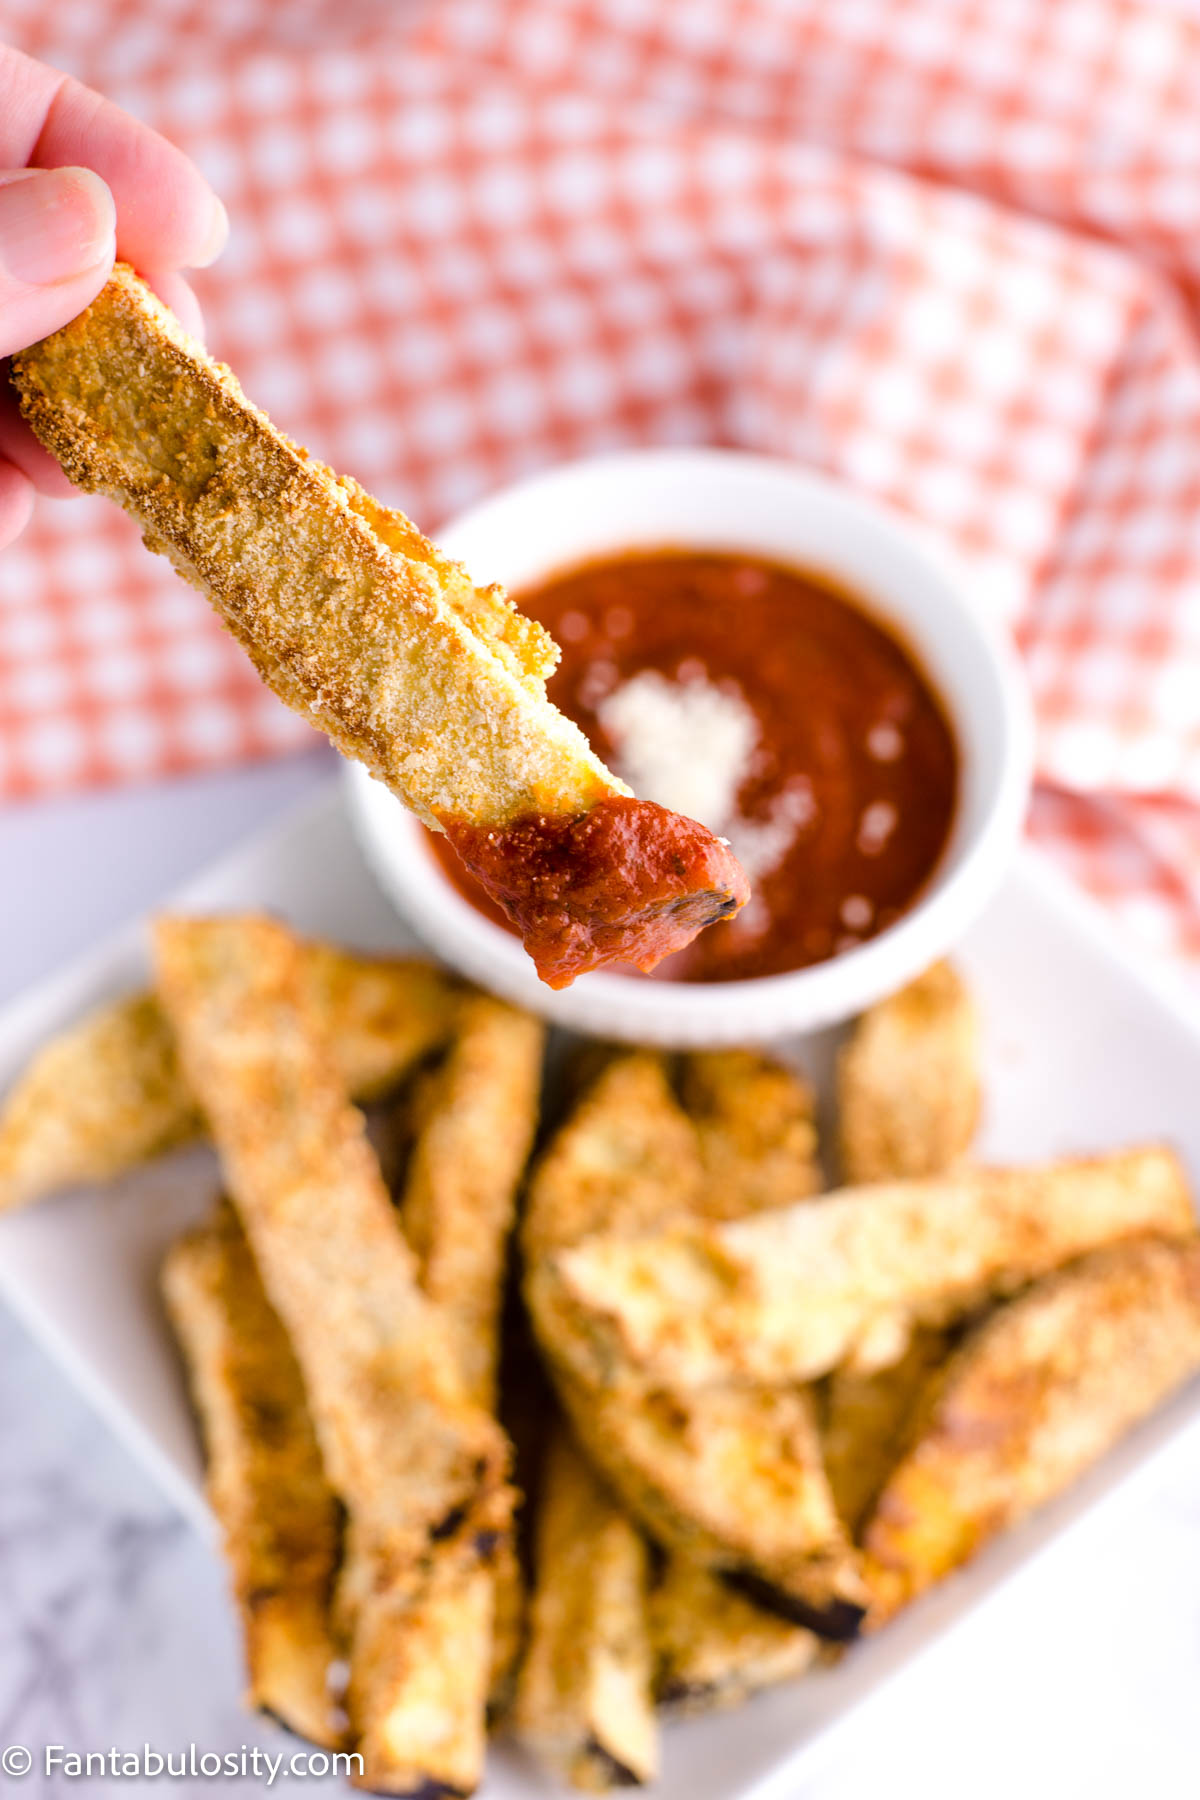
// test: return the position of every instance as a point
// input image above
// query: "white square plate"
(1084, 1050)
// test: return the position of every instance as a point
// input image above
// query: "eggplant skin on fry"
(732, 1477)
(266, 1482)
(584, 1692)
(908, 1082)
(108, 1093)
(713, 1648)
(788, 1295)
(1033, 1397)
(405, 1449)
(347, 611)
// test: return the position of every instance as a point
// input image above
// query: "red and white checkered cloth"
(946, 249)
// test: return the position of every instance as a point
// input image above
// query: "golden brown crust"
(583, 1696)
(908, 1097)
(99, 1098)
(733, 1477)
(865, 1422)
(625, 1159)
(758, 1136)
(266, 1482)
(788, 1295)
(712, 1647)
(108, 1093)
(459, 1201)
(407, 1452)
(418, 1688)
(347, 612)
(1033, 1397)
(422, 1650)
(909, 1082)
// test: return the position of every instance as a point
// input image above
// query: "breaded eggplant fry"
(266, 1483)
(733, 1477)
(758, 1135)
(584, 1692)
(418, 1688)
(98, 1099)
(422, 1652)
(410, 1455)
(908, 1096)
(908, 1082)
(758, 1140)
(789, 1294)
(460, 1195)
(380, 1015)
(360, 624)
(109, 1094)
(866, 1419)
(584, 1697)
(712, 1647)
(351, 615)
(626, 1159)
(1033, 1397)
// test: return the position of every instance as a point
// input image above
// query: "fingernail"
(55, 224)
(218, 234)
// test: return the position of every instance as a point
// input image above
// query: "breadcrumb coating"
(108, 1093)
(789, 1294)
(908, 1084)
(266, 1482)
(410, 1456)
(1031, 1399)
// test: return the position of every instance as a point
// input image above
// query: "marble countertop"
(1079, 1678)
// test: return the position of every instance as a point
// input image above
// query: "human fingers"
(19, 447)
(16, 502)
(167, 215)
(57, 242)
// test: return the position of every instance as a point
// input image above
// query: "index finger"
(167, 215)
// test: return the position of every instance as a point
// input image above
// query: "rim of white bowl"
(995, 740)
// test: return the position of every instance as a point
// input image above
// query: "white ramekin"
(726, 500)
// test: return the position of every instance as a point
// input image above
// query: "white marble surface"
(1078, 1679)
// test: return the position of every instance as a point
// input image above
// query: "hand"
(80, 183)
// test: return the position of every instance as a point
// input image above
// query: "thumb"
(57, 242)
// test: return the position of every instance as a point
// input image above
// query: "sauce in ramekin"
(775, 709)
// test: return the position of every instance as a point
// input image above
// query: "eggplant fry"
(626, 1159)
(1033, 1397)
(359, 624)
(788, 1295)
(866, 1418)
(758, 1137)
(584, 1692)
(908, 1082)
(108, 1093)
(347, 612)
(734, 1476)
(758, 1141)
(411, 1457)
(584, 1696)
(423, 1650)
(479, 1113)
(266, 1483)
(713, 1648)
(418, 1688)
(908, 1097)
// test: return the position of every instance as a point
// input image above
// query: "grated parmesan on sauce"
(689, 745)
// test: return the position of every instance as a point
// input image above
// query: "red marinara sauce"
(842, 799)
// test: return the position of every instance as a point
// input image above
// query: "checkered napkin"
(948, 250)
